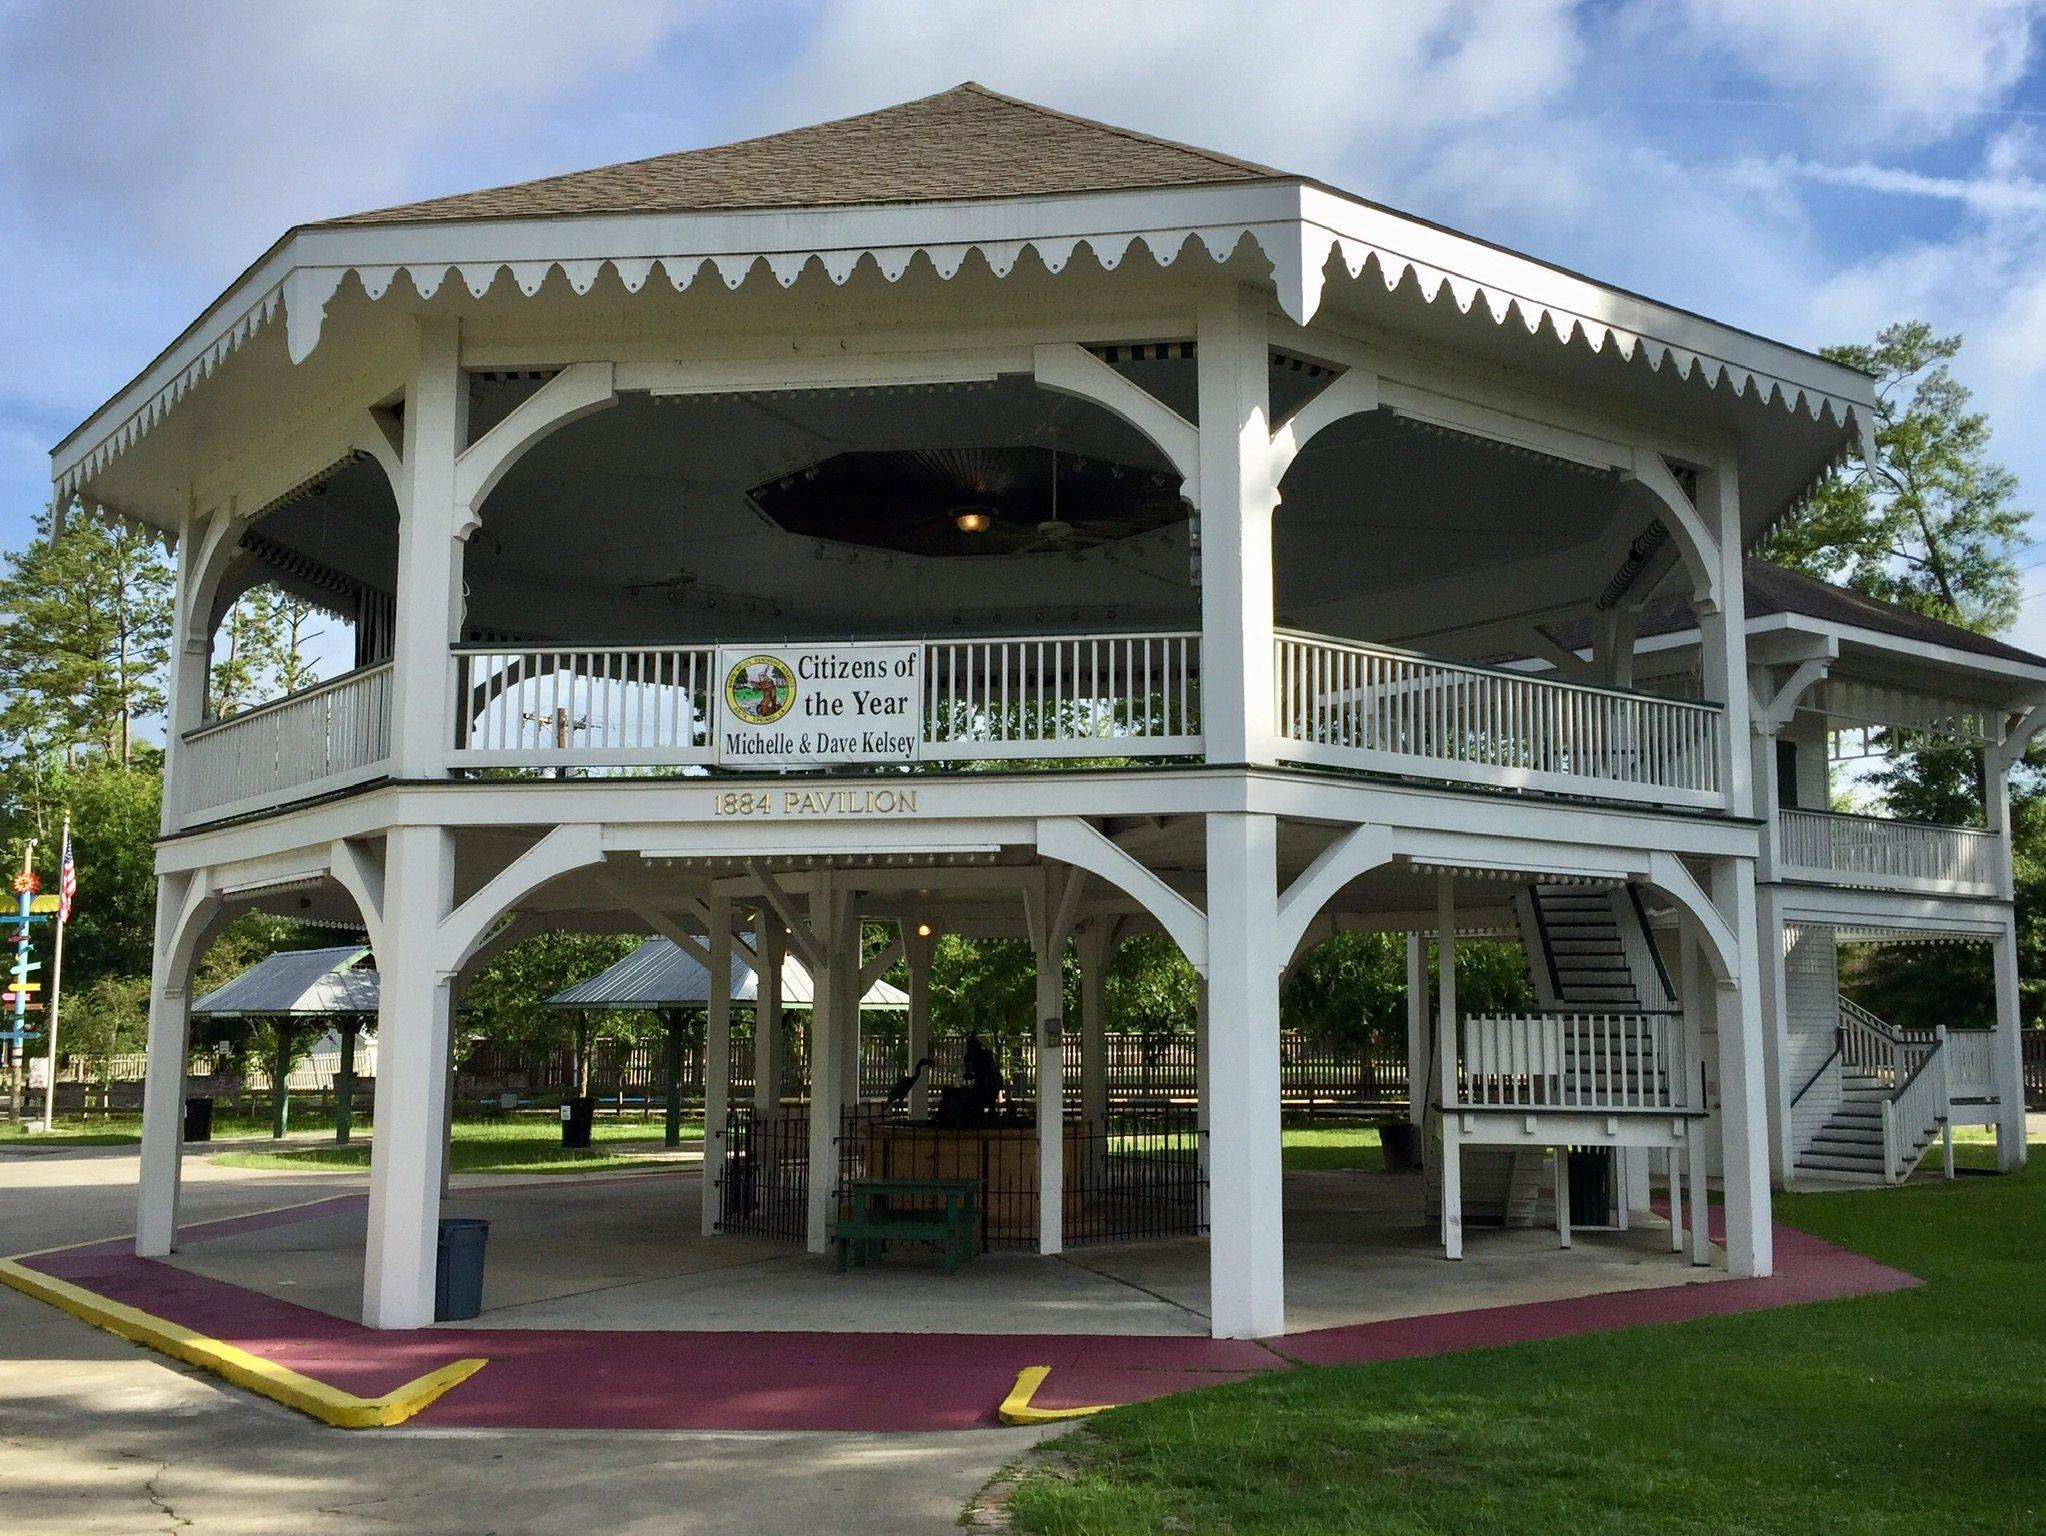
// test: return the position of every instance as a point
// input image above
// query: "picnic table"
(884, 1211)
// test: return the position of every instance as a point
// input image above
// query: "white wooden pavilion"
(703, 519)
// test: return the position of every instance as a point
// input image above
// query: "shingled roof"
(968, 143)
(1770, 590)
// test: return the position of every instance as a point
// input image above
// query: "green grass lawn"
(1920, 1411)
(1332, 1145)
(488, 1146)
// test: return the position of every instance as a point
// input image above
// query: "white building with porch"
(976, 520)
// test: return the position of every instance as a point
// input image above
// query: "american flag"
(67, 880)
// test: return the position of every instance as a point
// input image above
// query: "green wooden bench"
(884, 1211)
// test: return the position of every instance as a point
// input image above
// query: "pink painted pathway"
(564, 1378)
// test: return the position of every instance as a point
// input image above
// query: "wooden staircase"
(1856, 1121)
(1501, 1185)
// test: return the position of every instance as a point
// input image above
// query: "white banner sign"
(786, 705)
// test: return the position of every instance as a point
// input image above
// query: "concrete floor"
(626, 1252)
(103, 1438)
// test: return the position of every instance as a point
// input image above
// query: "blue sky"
(1811, 170)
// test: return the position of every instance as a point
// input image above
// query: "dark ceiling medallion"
(968, 502)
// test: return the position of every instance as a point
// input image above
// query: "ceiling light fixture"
(973, 519)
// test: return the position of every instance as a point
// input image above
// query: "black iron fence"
(764, 1181)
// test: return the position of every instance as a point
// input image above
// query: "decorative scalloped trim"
(304, 293)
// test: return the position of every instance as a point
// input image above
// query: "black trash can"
(458, 1268)
(576, 1116)
(1591, 1187)
(199, 1118)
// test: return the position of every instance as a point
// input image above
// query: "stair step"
(1831, 1164)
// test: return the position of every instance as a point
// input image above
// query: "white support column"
(1743, 1119)
(919, 944)
(1445, 1066)
(1773, 974)
(1237, 499)
(1246, 1228)
(412, 1054)
(1051, 1091)
(717, 1058)
(1723, 635)
(1696, 994)
(847, 1000)
(2008, 1065)
(431, 530)
(826, 977)
(769, 1046)
(163, 1089)
(1097, 948)
(1417, 1028)
(185, 680)
(2008, 1068)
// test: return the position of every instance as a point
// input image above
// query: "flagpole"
(56, 988)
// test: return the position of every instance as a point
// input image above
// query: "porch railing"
(1919, 1109)
(327, 737)
(1015, 697)
(1868, 850)
(1872, 1049)
(1364, 706)
(1600, 1062)
(1971, 1063)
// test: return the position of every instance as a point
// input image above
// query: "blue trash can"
(458, 1268)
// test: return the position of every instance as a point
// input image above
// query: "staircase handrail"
(1831, 1057)
(1913, 1105)
(1654, 951)
(1541, 922)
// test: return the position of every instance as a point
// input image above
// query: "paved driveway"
(100, 1436)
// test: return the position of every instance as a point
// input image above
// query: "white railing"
(1866, 850)
(607, 706)
(327, 737)
(1916, 1112)
(1368, 707)
(1872, 1049)
(1063, 696)
(1971, 1063)
(1600, 1062)
(1017, 697)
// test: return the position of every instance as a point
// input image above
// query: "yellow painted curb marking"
(1016, 1407)
(330, 1405)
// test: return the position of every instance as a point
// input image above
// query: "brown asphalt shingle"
(968, 143)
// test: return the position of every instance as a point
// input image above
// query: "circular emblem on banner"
(760, 690)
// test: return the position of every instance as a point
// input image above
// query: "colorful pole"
(65, 886)
(25, 885)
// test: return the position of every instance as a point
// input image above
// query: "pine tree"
(85, 624)
(1930, 525)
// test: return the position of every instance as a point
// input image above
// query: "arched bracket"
(1076, 842)
(1072, 370)
(1772, 712)
(1360, 849)
(363, 879)
(1351, 393)
(576, 391)
(1700, 549)
(1666, 872)
(566, 848)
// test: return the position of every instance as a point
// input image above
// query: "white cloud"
(1306, 87)
(1905, 68)
(200, 132)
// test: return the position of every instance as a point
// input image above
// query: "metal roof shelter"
(315, 982)
(658, 975)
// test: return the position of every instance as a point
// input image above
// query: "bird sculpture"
(899, 1094)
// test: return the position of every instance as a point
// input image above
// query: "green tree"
(84, 634)
(1930, 524)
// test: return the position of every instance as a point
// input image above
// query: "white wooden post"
(825, 979)
(1743, 1121)
(1723, 637)
(717, 1057)
(1096, 942)
(412, 1053)
(186, 680)
(430, 543)
(1773, 974)
(1445, 1059)
(163, 1089)
(919, 943)
(1051, 1090)
(1246, 1230)
(1563, 1195)
(2007, 1069)
(768, 1044)
(1237, 499)
(1417, 1029)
